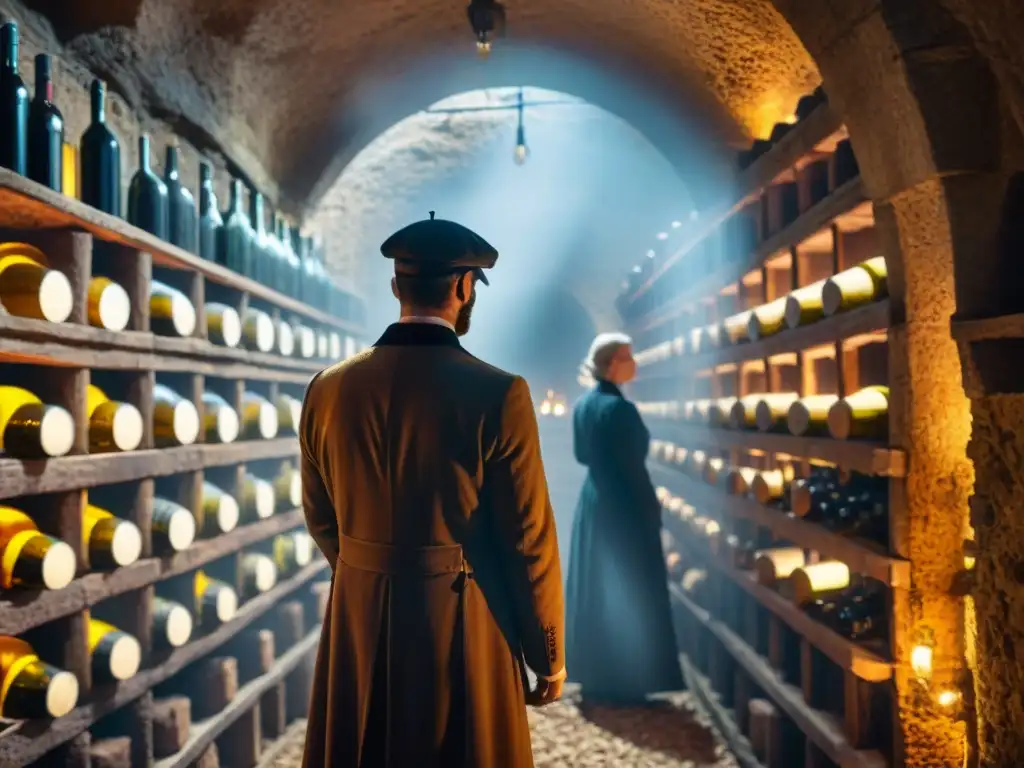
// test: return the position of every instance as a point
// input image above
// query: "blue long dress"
(620, 643)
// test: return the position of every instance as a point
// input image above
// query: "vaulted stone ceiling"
(294, 89)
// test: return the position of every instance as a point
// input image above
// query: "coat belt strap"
(402, 560)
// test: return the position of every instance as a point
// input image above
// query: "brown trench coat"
(424, 488)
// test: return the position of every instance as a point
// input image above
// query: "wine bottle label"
(32, 559)
(115, 654)
(108, 304)
(173, 525)
(172, 623)
(32, 689)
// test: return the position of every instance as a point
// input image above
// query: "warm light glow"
(676, 224)
(521, 154)
(662, 494)
(711, 528)
(969, 562)
(948, 698)
(483, 49)
(651, 254)
(663, 235)
(545, 408)
(921, 661)
(559, 409)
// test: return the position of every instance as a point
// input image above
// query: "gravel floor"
(672, 736)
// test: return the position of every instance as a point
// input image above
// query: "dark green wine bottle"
(210, 221)
(147, 196)
(234, 240)
(278, 264)
(181, 206)
(45, 131)
(291, 266)
(101, 157)
(309, 277)
(13, 105)
(261, 257)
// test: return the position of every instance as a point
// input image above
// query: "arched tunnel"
(806, 217)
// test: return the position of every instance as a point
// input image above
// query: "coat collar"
(608, 388)
(418, 335)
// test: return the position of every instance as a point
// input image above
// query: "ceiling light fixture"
(487, 18)
(522, 152)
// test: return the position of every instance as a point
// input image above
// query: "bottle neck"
(256, 210)
(144, 153)
(205, 176)
(236, 195)
(172, 160)
(44, 81)
(99, 102)
(9, 43)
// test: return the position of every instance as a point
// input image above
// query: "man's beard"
(465, 313)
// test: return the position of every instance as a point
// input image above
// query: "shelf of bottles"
(766, 390)
(151, 379)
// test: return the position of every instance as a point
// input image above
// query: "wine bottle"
(258, 502)
(170, 311)
(30, 559)
(13, 105)
(175, 419)
(323, 278)
(803, 306)
(768, 319)
(855, 287)
(116, 655)
(321, 344)
(772, 410)
(31, 429)
(29, 288)
(809, 582)
(857, 508)
(45, 131)
(219, 513)
(220, 421)
(113, 425)
(278, 265)
(737, 327)
(172, 623)
(771, 484)
(210, 222)
(109, 541)
(223, 325)
(308, 287)
(863, 414)
(861, 614)
(69, 172)
(216, 602)
(259, 574)
(305, 341)
(845, 162)
(147, 196)
(289, 413)
(334, 349)
(261, 259)
(719, 411)
(234, 239)
(738, 480)
(714, 467)
(181, 206)
(288, 486)
(257, 330)
(772, 565)
(109, 305)
(285, 338)
(743, 414)
(29, 687)
(259, 417)
(292, 267)
(809, 415)
(100, 157)
(810, 494)
(293, 551)
(174, 528)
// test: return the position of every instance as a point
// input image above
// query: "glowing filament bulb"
(948, 698)
(521, 153)
(921, 661)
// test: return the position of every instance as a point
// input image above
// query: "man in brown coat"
(423, 486)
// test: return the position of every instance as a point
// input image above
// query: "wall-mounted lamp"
(921, 661)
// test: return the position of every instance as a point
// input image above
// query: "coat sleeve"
(526, 523)
(632, 441)
(321, 519)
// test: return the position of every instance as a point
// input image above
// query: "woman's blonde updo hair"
(602, 351)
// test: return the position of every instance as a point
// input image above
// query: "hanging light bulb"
(487, 18)
(522, 152)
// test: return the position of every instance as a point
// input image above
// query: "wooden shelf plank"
(858, 456)
(204, 732)
(807, 135)
(821, 728)
(869, 319)
(21, 611)
(24, 204)
(842, 201)
(1003, 327)
(24, 478)
(861, 557)
(85, 337)
(30, 740)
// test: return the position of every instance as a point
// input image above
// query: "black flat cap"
(439, 247)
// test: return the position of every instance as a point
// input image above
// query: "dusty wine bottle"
(113, 425)
(285, 337)
(235, 236)
(864, 413)
(223, 325)
(257, 330)
(288, 486)
(293, 551)
(116, 655)
(147, 196)
(220, 511)
(30, 559)
(772, 410)
(289, 411)
(109, 541)
(261, 259)
(170, 311)
(856, 286)
(13, 104)
(172, 623)
(29, 687)
(100, 157)
(174, 528)
(220, 421)
(108, 304)
(210, 221)
(216, 602)
(803, 306)
(175, 419)
(30, 429)
(809, 415)
(259, 574)
(259, 417)
(258, 502)
(29, 288)
(45, 131)
(181, 206)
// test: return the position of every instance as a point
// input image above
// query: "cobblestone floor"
(673, 736)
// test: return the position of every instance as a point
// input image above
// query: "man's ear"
(464, 286)
(394, 289)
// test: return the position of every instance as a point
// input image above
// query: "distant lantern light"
(663, 235)
(487, 18)
(651, 254)
(676, 224)
(637, 270)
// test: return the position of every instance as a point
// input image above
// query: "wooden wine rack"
(730, 660)
(60, 357)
